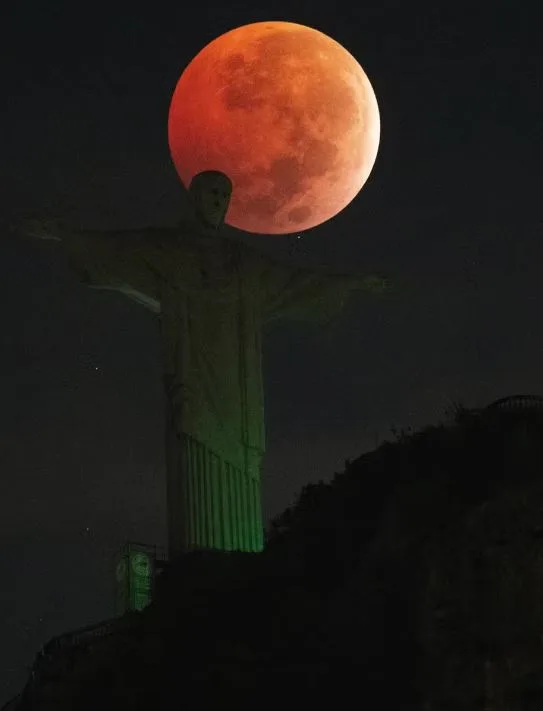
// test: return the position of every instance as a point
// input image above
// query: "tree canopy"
(412, 579)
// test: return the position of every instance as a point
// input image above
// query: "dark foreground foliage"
(413, 580)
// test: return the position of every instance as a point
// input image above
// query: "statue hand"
(41, 229)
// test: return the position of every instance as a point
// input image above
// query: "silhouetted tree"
(412, 579)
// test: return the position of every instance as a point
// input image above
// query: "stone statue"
(212, 294)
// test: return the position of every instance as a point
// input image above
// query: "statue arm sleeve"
(111, 260)
(296, 294)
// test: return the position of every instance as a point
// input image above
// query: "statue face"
(210, 192)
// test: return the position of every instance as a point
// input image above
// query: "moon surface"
(287, 113)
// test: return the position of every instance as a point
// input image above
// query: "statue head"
(210, 193)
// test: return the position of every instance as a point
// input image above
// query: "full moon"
(287, 113)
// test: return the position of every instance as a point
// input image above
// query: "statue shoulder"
(162, 237)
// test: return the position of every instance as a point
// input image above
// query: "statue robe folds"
(213, 296)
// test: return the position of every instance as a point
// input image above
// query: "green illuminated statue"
(212, 294)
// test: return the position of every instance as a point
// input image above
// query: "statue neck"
(203, 229)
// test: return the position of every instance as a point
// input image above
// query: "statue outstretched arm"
(119, 260)
(297, 294)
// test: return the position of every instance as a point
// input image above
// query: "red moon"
(287, 113)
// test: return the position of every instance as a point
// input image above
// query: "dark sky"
(452, 209)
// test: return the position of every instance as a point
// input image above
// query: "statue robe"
(213, 296)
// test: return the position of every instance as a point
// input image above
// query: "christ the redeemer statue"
(212, 295)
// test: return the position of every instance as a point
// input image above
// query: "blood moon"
(287, 113)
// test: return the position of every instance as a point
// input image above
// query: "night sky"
(451, 210)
